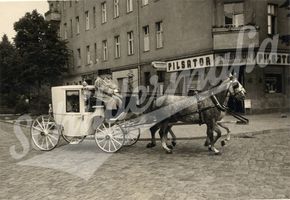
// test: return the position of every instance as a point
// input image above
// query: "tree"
(44, 56)
(9, 68)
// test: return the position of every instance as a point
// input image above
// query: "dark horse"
(208, 110)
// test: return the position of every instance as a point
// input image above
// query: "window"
(95, 53)
(77, 25)
(129, 6)
(274, 79)
(104, 12)
(116, 8)
(147, 77)
(94, 17)
(117, 47)
(144, 2)
(65, 31)
(159, 35)
(234, 14)
(130, 43)
(272, 19)
(79, 58)
(146, 38)
(87, 20)
(161, 76)
(72, 101)
(105, 50)
(88, 55)
(71, 28)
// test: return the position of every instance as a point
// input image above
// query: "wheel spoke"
(50, 141)
(114, 145)
(117, 141)
(101, 131)
(52, 136)
(39, 124)
(109, 145)
(36, 128)
(46, 141)
(105, 144)
(42, 143)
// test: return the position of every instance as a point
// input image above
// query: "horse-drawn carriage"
(82, 110)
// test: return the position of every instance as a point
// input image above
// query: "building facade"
(122, 38)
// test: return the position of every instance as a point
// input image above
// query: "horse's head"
(236, 89)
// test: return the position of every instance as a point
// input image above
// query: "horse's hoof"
(206, 143)
(173, 143)
(168, 152)
(209, 149)
(223, 143)
(150, 145)
(170, 147)
(217, 153)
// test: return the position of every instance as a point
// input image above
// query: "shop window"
(273, 83)
(72, 101)
(234, 14)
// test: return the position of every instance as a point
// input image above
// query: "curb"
(236, 135)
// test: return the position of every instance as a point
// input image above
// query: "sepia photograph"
(145, 99)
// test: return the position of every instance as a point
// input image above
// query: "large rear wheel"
(45, 133)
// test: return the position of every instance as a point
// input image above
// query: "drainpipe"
(138, 47)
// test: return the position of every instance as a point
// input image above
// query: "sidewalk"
(262, 123)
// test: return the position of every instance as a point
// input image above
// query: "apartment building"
(122, 38)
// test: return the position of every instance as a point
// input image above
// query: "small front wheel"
(45, 133)
(109, 138)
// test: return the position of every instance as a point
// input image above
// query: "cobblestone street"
(255, 167)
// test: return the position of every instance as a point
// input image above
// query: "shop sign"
(273, 58)
(190, 63)
(234, 59)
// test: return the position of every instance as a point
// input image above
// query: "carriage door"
(73, 116)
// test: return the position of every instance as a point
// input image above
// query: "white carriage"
(77, 113)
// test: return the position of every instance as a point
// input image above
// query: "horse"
(209, 111)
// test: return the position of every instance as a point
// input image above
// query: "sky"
(12, 10)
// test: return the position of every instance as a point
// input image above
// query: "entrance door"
(234, 104)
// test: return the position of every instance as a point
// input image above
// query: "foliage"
(44, 54)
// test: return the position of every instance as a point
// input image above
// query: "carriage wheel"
(109, 138)
(73, 139)
(131, 137)
(45, 133)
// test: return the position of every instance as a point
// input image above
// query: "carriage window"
(72, 101)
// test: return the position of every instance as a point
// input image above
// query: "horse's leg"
(211, 147)
(153, 130)
(218, 131)
(173, 142)
(163, 136)
(228, 135)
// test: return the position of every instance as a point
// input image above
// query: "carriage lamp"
(85, 84)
